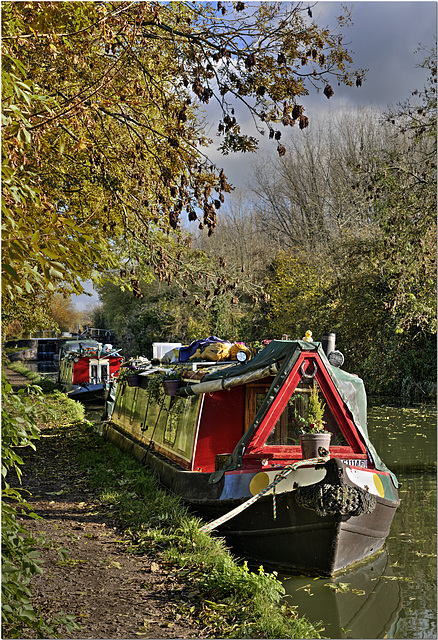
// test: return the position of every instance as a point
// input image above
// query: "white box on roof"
(160, 348)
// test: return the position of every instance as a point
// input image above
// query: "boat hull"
(88, 393)
(298, 538)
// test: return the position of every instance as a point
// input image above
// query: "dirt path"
(16, 379)
(88, 571)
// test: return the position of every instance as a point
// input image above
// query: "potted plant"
(314, 435)
(133, 378)
(172, 382)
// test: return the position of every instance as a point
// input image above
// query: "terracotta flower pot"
(310, 443)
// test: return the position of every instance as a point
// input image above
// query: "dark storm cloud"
(384, 38)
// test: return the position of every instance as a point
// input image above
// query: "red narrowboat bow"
(86, 367)
(228, 445)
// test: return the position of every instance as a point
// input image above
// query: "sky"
(383, 39)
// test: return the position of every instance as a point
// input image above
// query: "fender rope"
(278, 478)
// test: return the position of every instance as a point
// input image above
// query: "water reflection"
(412, 547)
(365, 597)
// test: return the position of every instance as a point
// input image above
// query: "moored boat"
(86, 368)
(228, 444)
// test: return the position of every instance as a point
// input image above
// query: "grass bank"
(34, 378)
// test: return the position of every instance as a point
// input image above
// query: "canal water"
(393, 595)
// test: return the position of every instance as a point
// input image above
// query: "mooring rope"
(278, 478)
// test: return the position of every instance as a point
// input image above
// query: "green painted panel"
(187, 422)
(172, 426)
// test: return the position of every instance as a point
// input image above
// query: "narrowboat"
(86, 367)
(228, 443)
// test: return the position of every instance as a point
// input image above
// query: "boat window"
(177, 410)
(294, 416)
(171, 428)
(93, 377)
(104, 371)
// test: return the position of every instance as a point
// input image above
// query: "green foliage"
(315, 412)
(19, 564)
(156, 390)
(19, 427)
(59, 409)
(296, 290)
(102, 138)
(180, 311)
(19, 556)
(374, 284)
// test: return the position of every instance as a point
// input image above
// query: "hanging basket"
(133, 381)
(171, 387)
(310, 443)
(144, 380)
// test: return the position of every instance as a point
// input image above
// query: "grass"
(228, 600)
(34, 378)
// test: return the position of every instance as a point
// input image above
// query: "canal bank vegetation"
(23, 413)
(223, 597)
(34, 377)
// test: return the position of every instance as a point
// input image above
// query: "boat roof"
(72, 345)
(350, 386)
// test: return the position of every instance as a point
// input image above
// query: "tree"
(359, 210)
(102, 138)
(64, 313)
(402, 192)
(243, 248)
(404, 198)
(307, 199)
(296, 296)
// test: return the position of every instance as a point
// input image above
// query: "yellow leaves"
(82, 144)
(53, 50)
(56, 270)
(295, 291)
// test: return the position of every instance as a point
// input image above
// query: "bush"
(19, 556)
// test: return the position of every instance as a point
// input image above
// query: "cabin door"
(98, 371)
